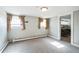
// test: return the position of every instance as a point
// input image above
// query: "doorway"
(65, 24)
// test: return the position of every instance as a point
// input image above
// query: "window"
(16, 22)
(43, 24)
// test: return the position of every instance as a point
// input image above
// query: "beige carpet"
(41, 45)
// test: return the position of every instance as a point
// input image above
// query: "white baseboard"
(4, 46)
(53, 37)
(75, 45)
(27, 38)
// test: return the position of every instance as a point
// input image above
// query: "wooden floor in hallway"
(41, 45)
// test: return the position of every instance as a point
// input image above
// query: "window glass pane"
(15, 20)
(43, 23)
(16, 23)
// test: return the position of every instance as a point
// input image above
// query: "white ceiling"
(35, 10)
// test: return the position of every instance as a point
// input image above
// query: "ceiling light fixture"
(43, 9)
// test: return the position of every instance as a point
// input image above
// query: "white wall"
(3, 29)
(31, 30)
(54, 29)
(76, 27)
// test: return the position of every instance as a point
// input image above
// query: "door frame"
(72, 33)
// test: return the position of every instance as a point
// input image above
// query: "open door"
(65, 24)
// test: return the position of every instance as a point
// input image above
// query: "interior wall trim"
(52, 36)
(75, 45)
(27, 38)
(5, 45)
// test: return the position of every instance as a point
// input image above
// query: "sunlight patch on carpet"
(57, 44)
